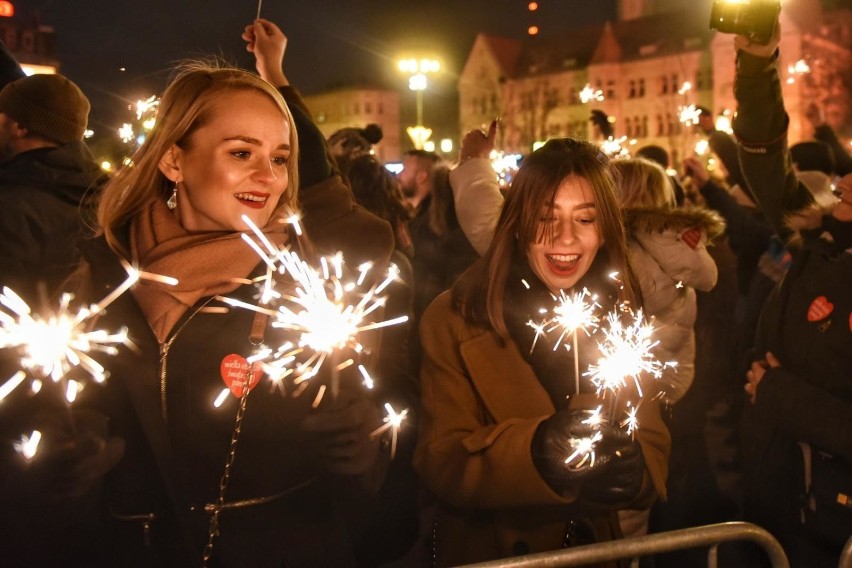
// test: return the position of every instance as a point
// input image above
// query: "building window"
(661, 128)
(356, 108)
(664, 85)
(641, 87)
(628, 127)
(675, 83)
(645, 126)
(381, 108)
(632, 92)
(368, 108)
(610, 89)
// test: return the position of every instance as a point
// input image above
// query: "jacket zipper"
(164, 354)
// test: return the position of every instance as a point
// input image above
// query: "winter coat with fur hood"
(668, 251)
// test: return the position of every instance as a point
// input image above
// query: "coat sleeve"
(692, 266)
(761, 129)
(463, 458)
(478, 201)
(806, 412)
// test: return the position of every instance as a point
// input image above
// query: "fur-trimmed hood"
(658, 220)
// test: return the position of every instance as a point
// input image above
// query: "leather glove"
(557, 438)
(622, 483)
(341, 431)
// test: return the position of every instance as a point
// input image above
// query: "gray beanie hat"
(48, 105)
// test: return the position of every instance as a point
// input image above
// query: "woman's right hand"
(478, 144)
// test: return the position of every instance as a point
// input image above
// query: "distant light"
(126, 132)
(532, 6)
(7, 10)
(106, 166)
(31, 69)
(429, 146)
(538, 144)
(122, 69)
(148, 124)
(446, 145)
(417, 82)
(394, 167)
(532, 30)
(88, 133)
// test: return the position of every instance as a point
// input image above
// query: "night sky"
(330, 42)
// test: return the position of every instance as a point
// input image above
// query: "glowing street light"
(417, 70)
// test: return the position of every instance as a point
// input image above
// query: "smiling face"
(235, 164)
(568, 237)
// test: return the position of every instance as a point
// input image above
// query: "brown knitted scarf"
(205, 264)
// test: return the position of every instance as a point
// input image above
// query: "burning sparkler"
(626, 353)
(393, 422)
(53, 345)
(326, 311)
(589, 94)
(573, 313)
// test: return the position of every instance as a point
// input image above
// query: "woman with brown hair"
(499, 408)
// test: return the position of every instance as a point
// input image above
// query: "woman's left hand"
(755, 374)
(268, 43)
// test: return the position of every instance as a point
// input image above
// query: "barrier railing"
(633, 548)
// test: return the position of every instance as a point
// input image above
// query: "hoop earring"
(172, 202)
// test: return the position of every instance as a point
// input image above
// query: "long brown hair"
(187, 104)
(479, 294)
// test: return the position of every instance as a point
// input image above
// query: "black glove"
(618, 464)
(623, 480)
(556, 440)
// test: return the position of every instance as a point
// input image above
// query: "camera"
(755, 19)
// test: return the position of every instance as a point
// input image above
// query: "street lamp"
(417, 70)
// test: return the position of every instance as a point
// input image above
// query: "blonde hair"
(479, 293)
(643, 183)
(188, 103)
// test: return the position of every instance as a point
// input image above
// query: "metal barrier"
(633, 548)
(846, 555)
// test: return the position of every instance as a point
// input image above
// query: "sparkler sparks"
(327, 312)
(589, 94)
(393, 422)
(626, 353)
(54, 345)
(27, 446)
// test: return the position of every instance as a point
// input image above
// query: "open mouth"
(253, 200)
(562, 264)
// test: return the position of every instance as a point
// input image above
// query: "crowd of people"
(511, 445)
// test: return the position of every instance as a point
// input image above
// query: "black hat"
(813, 156)
(48, 105)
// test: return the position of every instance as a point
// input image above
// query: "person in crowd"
(602, 125)
(724, 146)
(668, 253)
(477, 197)
(170, 479)
(800, 382)
(335, 222)
(48, 178)
(500, 411)
(822, 132)
(659, 155)
(352, 204)
(347, 144)
(390, 520)
(10, 69)
(441, 250)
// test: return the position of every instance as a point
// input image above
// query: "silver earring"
(172, 202)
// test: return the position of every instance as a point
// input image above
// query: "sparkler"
(259, 4)
(393, 422)
(53, 345)
(327, 312)
(588, 94)
(572, 313)
(626, 353)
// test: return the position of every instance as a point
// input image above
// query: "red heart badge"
(235, 370)
(691, 237)
(820, 309)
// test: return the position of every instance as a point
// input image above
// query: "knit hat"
(356, 139)
(813, 155)
(48, 105)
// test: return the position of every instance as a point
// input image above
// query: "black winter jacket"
(44, 197)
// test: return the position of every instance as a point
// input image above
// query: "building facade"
(32, 44)
(641, 70)
(356, 107)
